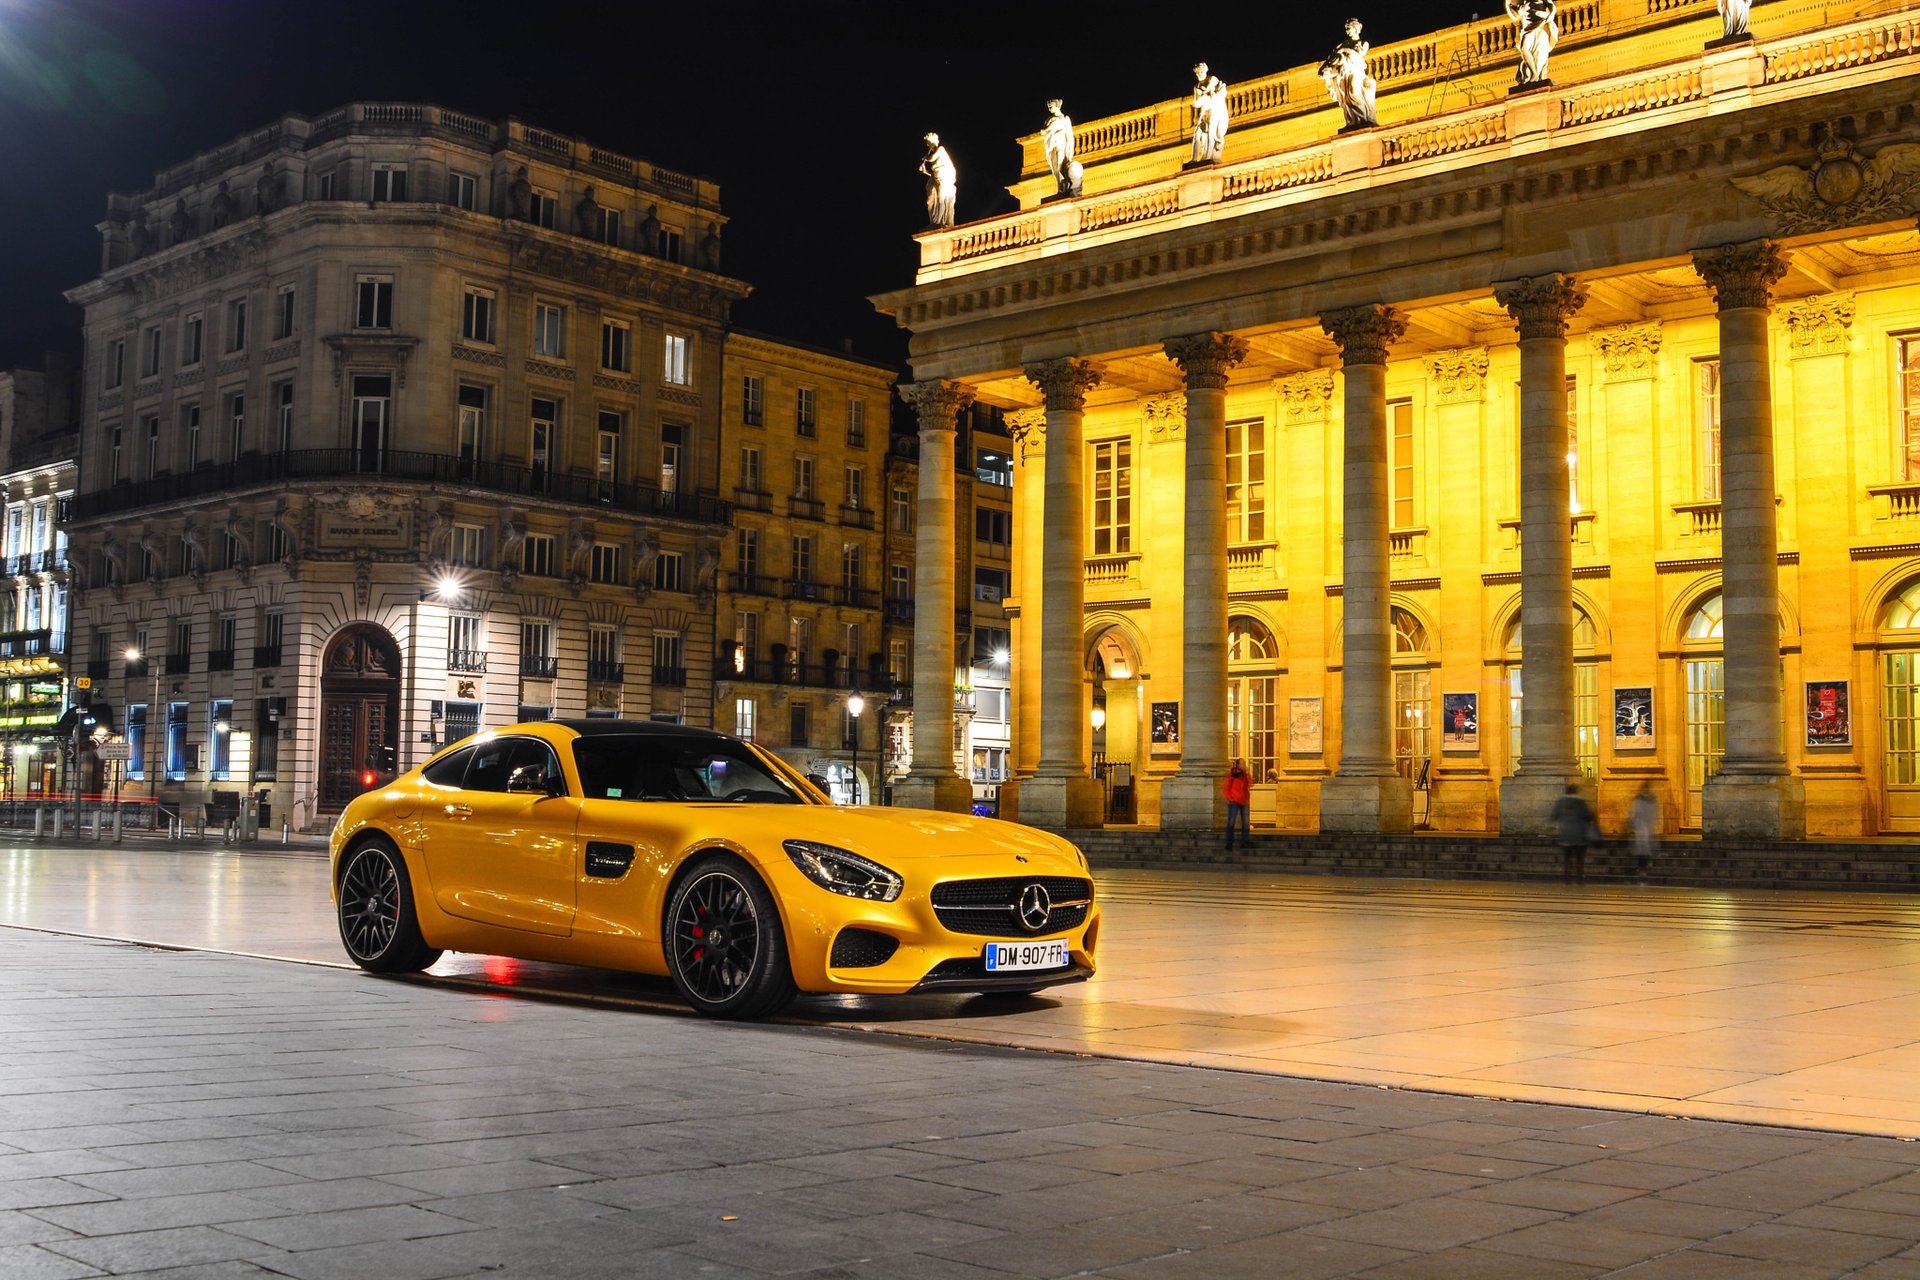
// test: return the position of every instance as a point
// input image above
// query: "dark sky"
(809, 115)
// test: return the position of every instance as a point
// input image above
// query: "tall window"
(803, 478)
(476, 314)
(746, 552)
(550, 330)
(899, 582)
(750, 473)
(466, 643)
(1577, 494)
(856, 423)
(608, 230)
(616, 346)
(902, 517)
(672, 438)
(668, 666)
(1400, 462)
(237, 325)
(857, 488)
(468, 548)
(1412, 696)
(1907, 396)
(220, 739)
(471, 428)
(1253, 658)
(743, 718)
(150, 352)
(137, 741)
(605, 562)
(373, 302)
(670, 571)
(283, 307)
(1586, 696)
(372, 420)
(192, 334)
(543, 429)
(1112, 497)
(190, 427)
(116, 364)
(677, 369)
(852, 575)
(746, 636)
(152, 434)
(389, 182)
(803, 419)
(993, 527)
(1247, 484)
(753, 400)
(803, 558)
(1706, 400)
(536, 642)
(177, 741)
(603, 653)
(283, 414)
(1706, 706)
(463, 191)
(542, 208)
(606, 458)
(536, 555)
(236, 424)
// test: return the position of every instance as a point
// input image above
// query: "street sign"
(84, 682)
(116, 750)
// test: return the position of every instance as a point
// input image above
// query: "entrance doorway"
(1706, 708)
(360, 712)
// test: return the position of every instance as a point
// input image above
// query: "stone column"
(931, 783)
(1062, 793)
(1029, 429)
(1367, 793)
(1753, 796)
(1191, 799)
(1541, 306)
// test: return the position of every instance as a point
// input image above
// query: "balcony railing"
(136, 668)
(539, 665)
(395, 465)
(264, 655)
(797, 590)
(97, 669)
(900, 610)
(26, 644)
(219, 659)
(757, 584)
(179, 664)
(674, 676)
(34, 562)
(468, 660)
(858, 597)
(813, 675)
(752, 499)
(605, 672)
(856, 517)
(805, 508)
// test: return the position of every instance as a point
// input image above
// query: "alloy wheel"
(369, 904)
(716, 937)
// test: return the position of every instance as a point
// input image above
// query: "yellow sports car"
(670, 850)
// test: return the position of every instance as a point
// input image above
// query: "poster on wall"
(1829, 722)
(1633, 719)
(1165, 729)
(1459, 721)
(1303, 726)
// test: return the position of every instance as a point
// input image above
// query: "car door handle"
(459, 811)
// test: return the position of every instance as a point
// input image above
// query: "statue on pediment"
(943, 182)
(1539, 31)
(1057, 138)
(1735, 18)
(1209, 115)
(1345, 71)
(222, 205)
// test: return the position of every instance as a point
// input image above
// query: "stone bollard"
(96, 824)
(116, 824)
(39, 822)
(286, 831)
(58, 815)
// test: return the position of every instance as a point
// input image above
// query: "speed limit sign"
(84, 682)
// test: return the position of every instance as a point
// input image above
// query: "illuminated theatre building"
(1525, 436)
(396, 423)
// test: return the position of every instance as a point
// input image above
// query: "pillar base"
(1192, 802)
(1753, 806)
(1369, 804)
(1527, 800)
(948, 794)
(1059, 802)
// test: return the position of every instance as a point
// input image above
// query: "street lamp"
(855, 705)
(133, 654)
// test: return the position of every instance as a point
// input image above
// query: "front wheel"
(377, 922)
(726, 951)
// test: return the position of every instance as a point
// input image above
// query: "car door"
(633, 825)
(500, 850)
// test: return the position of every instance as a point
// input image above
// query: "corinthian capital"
(1206, 358)
(937, 403)
(1029, 430)
(1065, 383)
(1741, 275)
(1541, 305)
(1364, 332)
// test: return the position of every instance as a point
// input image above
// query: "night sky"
(809, 115)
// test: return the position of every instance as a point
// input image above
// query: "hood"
(928, 836)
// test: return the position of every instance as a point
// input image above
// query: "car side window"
(495, 763)
(449, 769)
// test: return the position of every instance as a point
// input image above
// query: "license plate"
(1044, 953)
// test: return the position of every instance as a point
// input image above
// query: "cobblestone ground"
(206, 1115)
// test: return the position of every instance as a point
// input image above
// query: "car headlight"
(839, 871)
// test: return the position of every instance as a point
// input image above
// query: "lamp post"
(855, 705)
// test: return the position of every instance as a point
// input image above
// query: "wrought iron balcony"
(757, 584)
(97, 669)
(856, 517)
(179, 664)
(539, 665)
(798, 590)
(400, 466)
(468, 660)
(136, 668)
(605, 672)
(675, 676)
(805, 508)
(813, 675)
(900, 610)
(26, 644)
(858, 597)
(264, 655)
(219, 659)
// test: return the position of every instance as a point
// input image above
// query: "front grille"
(862, 949)
(991, 908)
(947, 970)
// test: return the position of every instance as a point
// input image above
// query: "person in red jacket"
(1238, 790)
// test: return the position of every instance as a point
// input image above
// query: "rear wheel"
(726, 951)
(377, 922)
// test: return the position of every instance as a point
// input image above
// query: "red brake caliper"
(699, 931)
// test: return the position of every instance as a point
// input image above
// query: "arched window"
(1706, 699)
(1253, 659)
(1412, 694)
(1900, 708)
(1586, 694)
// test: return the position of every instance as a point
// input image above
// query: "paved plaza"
(214, 1112)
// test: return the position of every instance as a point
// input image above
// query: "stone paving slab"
(643, 1143)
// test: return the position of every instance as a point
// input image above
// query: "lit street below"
(1754, 1006)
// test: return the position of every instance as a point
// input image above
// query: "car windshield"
(666, 767)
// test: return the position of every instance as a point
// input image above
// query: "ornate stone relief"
(1819, 326)
(1741, 275)
(1307, 396)
(473, 355)
(1841, 188)
(1541, 305)
(1029, 430)
(1165, 417)
(1459, 376)
(1628, 353)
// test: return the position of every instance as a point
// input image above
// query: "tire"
(378, 926)
(726, 949)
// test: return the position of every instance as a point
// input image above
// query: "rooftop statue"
(943, 181)
(1209, 115)
(1058, 140)
(1539, 32)
(1734, 16)
(1345, 72)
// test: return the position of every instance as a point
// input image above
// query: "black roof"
(659, 728)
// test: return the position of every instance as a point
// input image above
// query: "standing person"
(1574, 818)
(1238, 790)
(1643, 815)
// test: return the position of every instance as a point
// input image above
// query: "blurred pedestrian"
(1643, 815)
(1238, 790)
(1573, 817)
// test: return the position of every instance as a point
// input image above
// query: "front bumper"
(952, 975)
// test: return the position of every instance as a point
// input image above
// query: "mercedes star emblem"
(1034, 907)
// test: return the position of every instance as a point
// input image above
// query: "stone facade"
(1593, 407)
